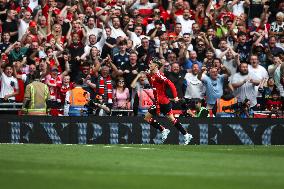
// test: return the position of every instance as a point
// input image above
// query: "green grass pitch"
(140, 166)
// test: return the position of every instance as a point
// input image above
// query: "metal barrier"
(117, 111)
(266, 114)
(10, 106)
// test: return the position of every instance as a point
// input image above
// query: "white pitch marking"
(108, 146)
(146, 148)
(126, 147)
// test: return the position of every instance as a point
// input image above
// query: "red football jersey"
(159, 83)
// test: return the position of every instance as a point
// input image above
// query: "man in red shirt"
(162, 103)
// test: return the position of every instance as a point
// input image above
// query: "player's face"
(152, 66)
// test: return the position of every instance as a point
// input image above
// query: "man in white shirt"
(144, 7)
(135, 36)
(194, 87)
(185, 21)
(244, 84)
(9, 84)
(257, 70)
(113, 22)
(238, 6)
(24, 24)
(93, 43)
(91, 29)
(116, 30)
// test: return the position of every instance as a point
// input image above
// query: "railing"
(10, 106)
(118, 111)
(16, 106)
(266, 114)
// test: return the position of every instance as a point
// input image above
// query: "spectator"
(109, 44)
(243, 46)
(191, 61)
(213, 84)
(5, 43)
(277, 27)
(121, 97)
(122, 58)
(274, 103)
(105, 86)
(265, 89)
(272, 46)
(142, 94)
(54, 80)
(144, 7)
(185, 20)
(10, 25)
(276, 70)
(194, 88)
(176, 76)
(132, 68)
(244, 83)
(24, 24)
(89, 80)
(145, 51)
(9, 84)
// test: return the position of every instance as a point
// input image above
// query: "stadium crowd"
(228, 52)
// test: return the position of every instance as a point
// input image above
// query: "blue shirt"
(214, 88)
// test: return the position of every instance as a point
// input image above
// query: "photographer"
(200, 110)
(242, 109)
(98, 107)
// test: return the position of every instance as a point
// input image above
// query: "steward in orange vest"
(76, 99)
(227, 99)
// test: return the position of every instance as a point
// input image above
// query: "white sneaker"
(165, 133)
(187, 138)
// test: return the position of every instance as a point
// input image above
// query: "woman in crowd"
(121, 97)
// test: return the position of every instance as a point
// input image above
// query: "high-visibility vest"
(221, 103)
(78, 97)
(38, 108)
